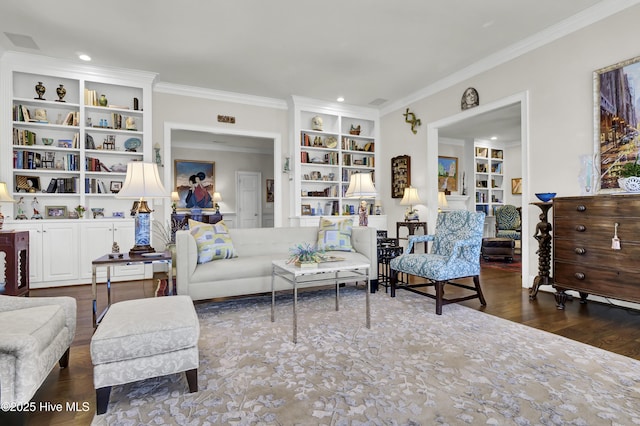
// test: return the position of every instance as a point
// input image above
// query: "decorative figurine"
(354, 130)
(115, 248)
(102, 101)
(21, 215)
(130, 123)
(363, 215)
(40, 89)
(61, 91)
(156, 148)
(35, 205)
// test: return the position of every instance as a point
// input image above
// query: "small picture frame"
(55, 212)
(306, 209)
(115, 186)
(270, 193)
(516, 186)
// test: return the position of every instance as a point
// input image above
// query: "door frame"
(521, 98)
(277, 159)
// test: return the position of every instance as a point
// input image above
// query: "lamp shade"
(410, 197)
(4, 194)
(217, 197)
(442, 200)
(142, 181)
(175, 196)
(360, 186)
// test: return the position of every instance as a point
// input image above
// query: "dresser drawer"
(597, 228)
(607, 206)
(599, 253)
(599, 281)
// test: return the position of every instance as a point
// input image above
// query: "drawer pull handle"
(579, 276)
(581, 208)
(581, 228)
(580, 250)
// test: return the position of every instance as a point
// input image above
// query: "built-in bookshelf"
(331, 143)
(488, 178)
(62, 143)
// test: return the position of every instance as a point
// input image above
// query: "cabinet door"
(95, 241)
(35, 250)
(60, 251)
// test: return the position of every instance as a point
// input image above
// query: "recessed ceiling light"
(493, 138)
(340, 99)
(84, 57)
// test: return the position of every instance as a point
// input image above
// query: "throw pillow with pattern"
(335, 235)
(213, 241)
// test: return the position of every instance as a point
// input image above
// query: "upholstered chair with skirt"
(454, 254)
(508, 222)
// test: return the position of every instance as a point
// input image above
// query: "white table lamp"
(442, 201)
(410, 198)
(361, 187)
(142, 182)
(217, 197)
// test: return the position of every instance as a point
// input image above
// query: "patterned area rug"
(411, 368)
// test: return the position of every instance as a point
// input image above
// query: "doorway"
(476, 117)
(213, 138)
(248, 199)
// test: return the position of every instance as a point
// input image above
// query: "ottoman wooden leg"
(192, 379)
(64, 360)
(102, 399)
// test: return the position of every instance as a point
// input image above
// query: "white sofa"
(250, 272)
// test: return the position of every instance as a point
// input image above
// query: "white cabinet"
(70, 149)
(489, 178)
(53, 252)
(96, 240)
(331, 142)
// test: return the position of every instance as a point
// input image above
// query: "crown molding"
(219, 95)
(587, 17)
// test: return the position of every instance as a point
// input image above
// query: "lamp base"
(140, 250)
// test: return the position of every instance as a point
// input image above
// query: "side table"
(411, 227)
(388, 249)
(15, 245)
(114, 259)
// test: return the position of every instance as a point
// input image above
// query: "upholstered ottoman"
(144, 338)
(498, 247)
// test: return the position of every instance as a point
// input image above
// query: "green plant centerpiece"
(630, 177)
(305, 255)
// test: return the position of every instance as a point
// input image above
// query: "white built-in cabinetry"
(84, 165)
(326, 155)
(489, 178)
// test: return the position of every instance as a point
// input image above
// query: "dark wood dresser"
(583, 257)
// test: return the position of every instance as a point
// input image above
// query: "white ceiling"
(373, 53)
(362, 50)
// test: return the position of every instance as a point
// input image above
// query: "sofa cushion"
(335, 235)
(213, 241)
(42, 323)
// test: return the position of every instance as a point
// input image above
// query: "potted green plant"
(630, 177)
(305, 255)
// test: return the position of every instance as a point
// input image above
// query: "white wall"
(558, 78)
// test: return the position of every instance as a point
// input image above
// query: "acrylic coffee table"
(336, 272)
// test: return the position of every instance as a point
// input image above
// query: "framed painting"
(615, 125)
(447, 173)
(195, 183)
(400, 175)
(516, 186)
(270, 195)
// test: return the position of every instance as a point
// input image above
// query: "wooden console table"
(15, 245)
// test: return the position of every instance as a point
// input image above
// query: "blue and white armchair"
(455, 254)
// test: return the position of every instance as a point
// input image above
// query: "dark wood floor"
(607, 327)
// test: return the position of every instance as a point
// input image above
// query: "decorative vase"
(40, 89)
(102, 101)
(61, 91)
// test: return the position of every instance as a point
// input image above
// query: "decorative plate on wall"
(132, 144)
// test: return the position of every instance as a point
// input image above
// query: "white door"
(249, 199)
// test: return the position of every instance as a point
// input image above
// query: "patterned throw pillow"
(213, 241)
(335, 235)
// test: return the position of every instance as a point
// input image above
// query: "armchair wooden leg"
(439, 296)
(64, 360)
(192, 379)
(476, 282)
(102, 399)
